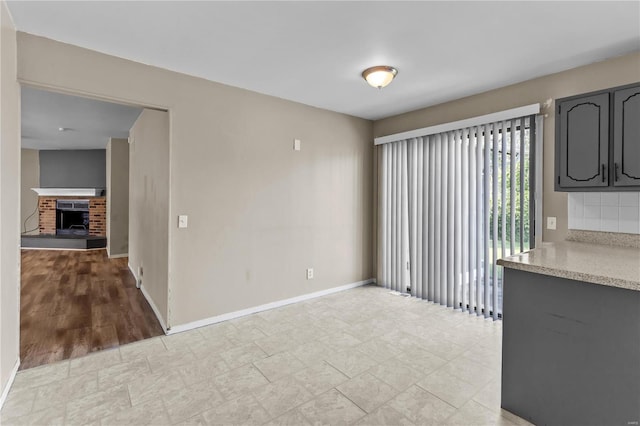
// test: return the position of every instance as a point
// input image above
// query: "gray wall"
(84, 168)
(117, 197)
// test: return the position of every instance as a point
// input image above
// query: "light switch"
(183, 221)
(296, 144)
(551, 222)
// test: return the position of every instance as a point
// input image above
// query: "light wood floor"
(76, 302)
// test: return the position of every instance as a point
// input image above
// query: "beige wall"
(117, 157)
(259, 212)
(601, 75)
(30, 178)
(149, 205)
(9, 199)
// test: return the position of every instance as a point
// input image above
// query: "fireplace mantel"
(69, 192)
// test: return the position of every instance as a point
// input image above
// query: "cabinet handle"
(617, 167)
(603, 173)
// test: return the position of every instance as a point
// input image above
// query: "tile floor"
(363, 356)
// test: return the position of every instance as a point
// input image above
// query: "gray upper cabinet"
(626, 137)
(598, 141)
(584, 141)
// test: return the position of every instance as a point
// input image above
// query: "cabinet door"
(584, 142)
(626, 137)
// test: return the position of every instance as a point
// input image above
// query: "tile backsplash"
(605, 211)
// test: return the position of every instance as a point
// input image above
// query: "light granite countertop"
(593, 263)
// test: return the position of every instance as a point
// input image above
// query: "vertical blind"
(451, 204)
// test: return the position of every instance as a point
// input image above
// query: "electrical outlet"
(551, 222)
(310, 273)
(296, 145)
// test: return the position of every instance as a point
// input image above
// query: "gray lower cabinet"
(584, 141)
(570, 351)
(598, 141)
(626, 137)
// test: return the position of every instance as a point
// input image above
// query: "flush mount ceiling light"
(379, 76)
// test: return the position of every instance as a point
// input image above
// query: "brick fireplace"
(97, 214)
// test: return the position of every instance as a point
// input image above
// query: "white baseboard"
(265, 307)
(117, 256)
(146, 295)
(7, 388)
(154, 308)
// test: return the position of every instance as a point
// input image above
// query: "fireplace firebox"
(72, 217)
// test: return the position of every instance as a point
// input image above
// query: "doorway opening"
(79, 293)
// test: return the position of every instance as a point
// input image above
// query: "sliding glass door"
(453, 203)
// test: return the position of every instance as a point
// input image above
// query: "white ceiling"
(314, 52)
(89, 123)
